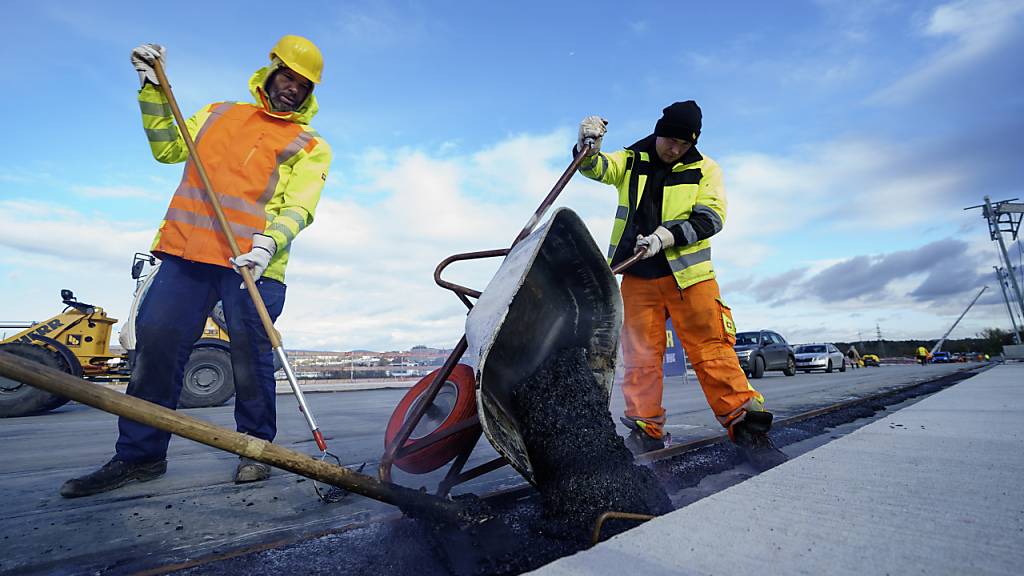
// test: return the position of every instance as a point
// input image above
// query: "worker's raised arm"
(165, 141)
(605, 168)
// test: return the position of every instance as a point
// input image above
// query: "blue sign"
(675, 356)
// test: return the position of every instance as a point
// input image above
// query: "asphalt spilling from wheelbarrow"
(540, 526)
(581, 466)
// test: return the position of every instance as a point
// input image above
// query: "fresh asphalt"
(195, 511)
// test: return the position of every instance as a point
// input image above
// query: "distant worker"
(853, 356)
(922, 355)
(671, 201)
(268, 167)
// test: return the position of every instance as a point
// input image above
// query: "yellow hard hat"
(299, 54)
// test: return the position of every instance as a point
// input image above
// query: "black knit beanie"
(680, 120)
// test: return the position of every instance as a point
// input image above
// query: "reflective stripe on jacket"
(267, 168)
(691, 188)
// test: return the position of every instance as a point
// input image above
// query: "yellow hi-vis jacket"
(268, 169)
(694, 187)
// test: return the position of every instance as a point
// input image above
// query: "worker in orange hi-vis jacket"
(268, 167)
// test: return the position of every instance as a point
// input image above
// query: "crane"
(938, 345)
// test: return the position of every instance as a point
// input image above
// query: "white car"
(819, 357)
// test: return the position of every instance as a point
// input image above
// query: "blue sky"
(851, 136)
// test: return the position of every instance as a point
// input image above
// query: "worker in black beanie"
(680, 121)
(671, 201)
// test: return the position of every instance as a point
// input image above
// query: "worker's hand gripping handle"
(247, 279)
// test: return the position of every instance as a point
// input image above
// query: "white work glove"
(144, 58)
(257, 259)
(592, 128)
(656, 242)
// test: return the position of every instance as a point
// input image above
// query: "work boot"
(752, 441)
(250, 470)
(113, 474)
(639, 440)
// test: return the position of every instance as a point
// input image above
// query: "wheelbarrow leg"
(450, 479)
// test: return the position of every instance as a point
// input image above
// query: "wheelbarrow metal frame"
(398, 447)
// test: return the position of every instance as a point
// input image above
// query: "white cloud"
(117, 192)
(83, 238)
(895, 309)
(972, 30)
(45, 247)
(362, 275)
(860, 186)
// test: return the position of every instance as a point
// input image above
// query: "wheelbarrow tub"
(554, 290)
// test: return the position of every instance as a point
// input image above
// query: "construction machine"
(77, 341)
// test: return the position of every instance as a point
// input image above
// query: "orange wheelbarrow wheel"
(455, 403)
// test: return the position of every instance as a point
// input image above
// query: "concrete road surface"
(195, 510)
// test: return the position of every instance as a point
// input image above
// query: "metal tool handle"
(625, 264)
(555, 191)
(247, 279)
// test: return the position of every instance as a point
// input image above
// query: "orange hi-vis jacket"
(267, 168)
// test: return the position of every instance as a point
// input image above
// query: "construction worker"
(854, 356)
(922, 355)
(268, 168)
(671, 201)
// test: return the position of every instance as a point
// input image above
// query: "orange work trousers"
(706, 330)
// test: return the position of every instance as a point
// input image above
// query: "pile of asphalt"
(581, 465)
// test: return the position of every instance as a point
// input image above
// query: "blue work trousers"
(170, 320)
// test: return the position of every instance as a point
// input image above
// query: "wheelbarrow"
(553, 290)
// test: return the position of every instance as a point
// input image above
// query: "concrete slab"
(930, 489)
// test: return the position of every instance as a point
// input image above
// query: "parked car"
(819, 357)
(764, 350)
(941, 358)
(871, 360)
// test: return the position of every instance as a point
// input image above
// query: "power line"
(1009, 310)
(1005, 216)
(881, 344)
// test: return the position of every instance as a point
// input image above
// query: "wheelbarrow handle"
(462, 291)
(555, 191)
(625, 264)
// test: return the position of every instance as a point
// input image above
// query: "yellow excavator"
(77, 341)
